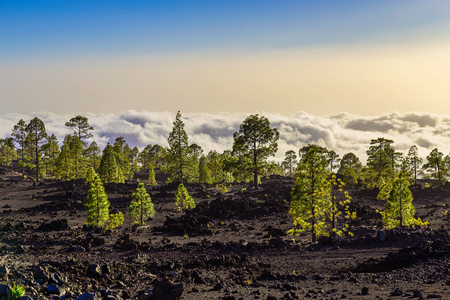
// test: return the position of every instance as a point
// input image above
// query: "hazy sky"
(321, 57)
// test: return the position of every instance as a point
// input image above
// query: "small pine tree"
(141, 206)
(183, 200)
(151, 177)
(97, 204)
(399, 208)
(115, 220)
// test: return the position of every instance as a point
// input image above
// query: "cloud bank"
(342, 132)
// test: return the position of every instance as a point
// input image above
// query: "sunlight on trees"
(183, 200)
(141, 207)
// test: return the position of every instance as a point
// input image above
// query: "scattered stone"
(144, 295)
(4, 290)
(397, 292)
(381, 236)
(166, 290)
(4, 270)
(53, 289)
(417, 294)
(42, 274)
(78, 249)
(58, 278)
(24, 298)
(57, 225)
(434, 296)
(94, 270)
(365, 291)
(87, 296)
(218, 286)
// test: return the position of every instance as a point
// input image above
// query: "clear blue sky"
(46, 28)
(80, 32)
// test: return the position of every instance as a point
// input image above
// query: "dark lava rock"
(397, 292)
(94, 270)
(417, 294)
(57, 225)
(42, 274)
(87, 296)
(4, 290)
(4, 270)
(365, 291)
(166, 290)
(53, 289)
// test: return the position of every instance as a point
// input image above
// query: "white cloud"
(342, 132)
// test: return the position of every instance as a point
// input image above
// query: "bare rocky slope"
(231, 246)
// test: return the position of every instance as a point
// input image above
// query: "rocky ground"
(231, 246)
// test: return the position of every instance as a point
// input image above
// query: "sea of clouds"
(341, 132)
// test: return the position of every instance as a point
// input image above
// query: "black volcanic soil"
(231, 246)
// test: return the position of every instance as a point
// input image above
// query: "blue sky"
(37, 29)
(50, 49)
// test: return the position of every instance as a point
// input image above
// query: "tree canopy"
(256, 140)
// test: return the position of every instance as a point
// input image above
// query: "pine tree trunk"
(98, 209)
(313, 209)
(333, 222)
(142, 212)
(37, 160)
(255, 166)
(401, 213)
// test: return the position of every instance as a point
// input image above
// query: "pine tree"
(183, 200)
(81, 128)
(90, 172)
(311, 196)
(19, 133)
(380, 161)
(181, 162)
(36, 137)
(204, 174)
(7, 151)
(97, 204)
(340, 207)
(290, 162)
(66, 162)
(350, 177)
(122, 154)
(399, 208)
(92, 154)
(109, 169)
(141, 206)
(413, 162)
(51, 152)
(436, 166)
(350, 160)
(256, 140)
(151, 176)
(333, 159)
(144, 157)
